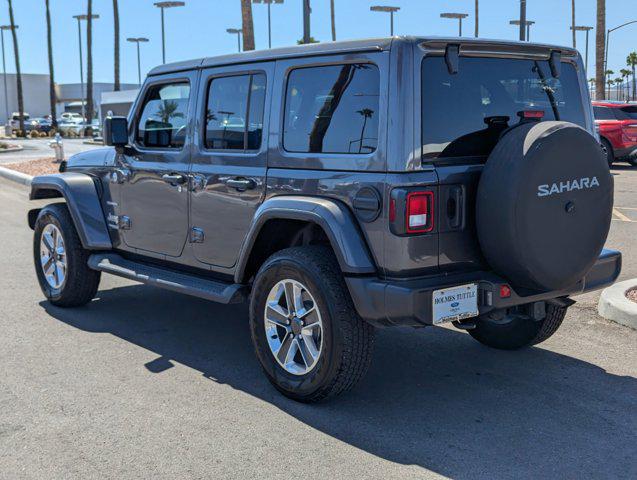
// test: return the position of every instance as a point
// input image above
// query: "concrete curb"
(17, 148)
(18, 177)
(613, 304)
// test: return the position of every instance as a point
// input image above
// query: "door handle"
(174, 179)
(241, 183)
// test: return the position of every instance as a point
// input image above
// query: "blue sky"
(198, 29)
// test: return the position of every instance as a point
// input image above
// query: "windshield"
(465, 113)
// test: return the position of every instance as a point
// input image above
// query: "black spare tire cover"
(544, 205)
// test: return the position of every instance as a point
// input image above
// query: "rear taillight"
(411, 211)
(419, 212)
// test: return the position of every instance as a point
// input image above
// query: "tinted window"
(630, 112)
(332, 109)
(603, 113)
(464, 114)
(164, 117)
(234, 115)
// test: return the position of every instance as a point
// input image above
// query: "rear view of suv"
(617, 124)
(341, 187)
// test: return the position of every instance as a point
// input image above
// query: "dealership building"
(35, 89)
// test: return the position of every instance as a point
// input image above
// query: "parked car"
(40, 124)
(617, 124)
(70, 117)
(14, 123)
(342, 187)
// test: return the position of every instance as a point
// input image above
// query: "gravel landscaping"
(40, 166)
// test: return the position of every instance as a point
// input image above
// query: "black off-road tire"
(347, 339)
(81, 282)
(607, 148)
(518, 331)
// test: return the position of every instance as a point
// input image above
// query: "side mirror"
(115, 131)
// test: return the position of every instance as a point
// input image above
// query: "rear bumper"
(408, 303)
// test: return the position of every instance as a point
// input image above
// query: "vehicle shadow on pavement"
(433, 397)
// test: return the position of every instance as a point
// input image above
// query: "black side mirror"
(115, 131)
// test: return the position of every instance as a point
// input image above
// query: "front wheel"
(514, 329)
(307, 335)
(608, 151)
(60, 260)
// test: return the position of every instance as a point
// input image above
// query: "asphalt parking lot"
(144, 383)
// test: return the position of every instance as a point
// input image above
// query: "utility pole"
(4, 70)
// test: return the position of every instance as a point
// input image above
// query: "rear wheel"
(609, 153)
(513, 329)
(307, 335)
(61, 261)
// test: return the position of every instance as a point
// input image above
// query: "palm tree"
(247, 25)
(607, 74)
(625, 74)
(631, 61)
(619, 81)
(116, 85)
(89, 63)
(333, 20)
(610, 82)
(52, 96)
(18, 74)
(600, 45)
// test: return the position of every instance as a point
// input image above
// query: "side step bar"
(214, 290)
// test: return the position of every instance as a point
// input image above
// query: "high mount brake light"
(533, 114)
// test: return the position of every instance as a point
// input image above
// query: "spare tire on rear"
(544, 205)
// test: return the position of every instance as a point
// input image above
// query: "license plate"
(455, 303)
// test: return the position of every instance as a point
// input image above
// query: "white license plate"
(455, 303)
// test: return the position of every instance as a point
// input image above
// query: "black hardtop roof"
(326, 48)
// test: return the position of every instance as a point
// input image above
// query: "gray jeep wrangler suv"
(345, 186)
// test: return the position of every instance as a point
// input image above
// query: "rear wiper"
(547, 88)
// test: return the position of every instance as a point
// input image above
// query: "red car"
(617, 125)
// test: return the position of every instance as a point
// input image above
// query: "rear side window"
(234, 113)
(164, 117)
(603, 113)
(332, 109)
(463, 114)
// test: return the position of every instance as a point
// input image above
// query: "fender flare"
(332, 216)
(82, 200)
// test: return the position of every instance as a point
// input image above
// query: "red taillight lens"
(505, 291)
(419, 212)
(533, 113)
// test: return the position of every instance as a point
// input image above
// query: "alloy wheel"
(53, 256)
(293, 327)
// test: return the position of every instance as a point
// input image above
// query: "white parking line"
(621, 216)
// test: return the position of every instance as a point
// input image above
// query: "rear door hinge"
(196, 235)
(124, 222)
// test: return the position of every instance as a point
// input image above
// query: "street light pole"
(4, 70)
(236, 31)
(581, 28)
(268, 3)
(608, 32)
(138, 40)
(387, 9)
(458, 16)
(527, 27)
(522, 20)
(162, 6)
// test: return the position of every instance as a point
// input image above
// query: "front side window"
(463, 114)
(630, 113)
(234, 113)
(164, 118)
(332, 109)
